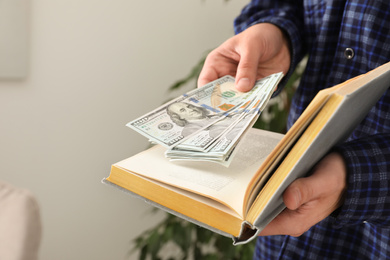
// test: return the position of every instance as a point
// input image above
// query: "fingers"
(247, 69)
(311, 199)
(228, 59)
(207, 75)
(300, 192)
(288, 222)
(302, 210)
(219, 62)
(255, 53)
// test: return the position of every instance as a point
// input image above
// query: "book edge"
(170, 211)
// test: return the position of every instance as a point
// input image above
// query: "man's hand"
(257, 52)
(310, 200)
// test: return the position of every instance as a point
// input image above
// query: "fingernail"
(244, 85)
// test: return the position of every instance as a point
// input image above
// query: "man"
(342, 209)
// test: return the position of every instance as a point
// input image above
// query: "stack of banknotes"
(207, 123)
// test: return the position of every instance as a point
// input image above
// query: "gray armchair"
(20, 224)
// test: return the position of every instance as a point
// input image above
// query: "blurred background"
(90, 67)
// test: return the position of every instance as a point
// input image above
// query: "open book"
(241, 200)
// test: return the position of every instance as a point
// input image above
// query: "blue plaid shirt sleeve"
(287, 16)
(367, 197)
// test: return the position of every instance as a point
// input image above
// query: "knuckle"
(245, 66)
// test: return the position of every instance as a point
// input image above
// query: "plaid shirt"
(343, 38)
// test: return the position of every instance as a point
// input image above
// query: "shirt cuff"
(367, 198)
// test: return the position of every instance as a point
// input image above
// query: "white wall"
(94, 66)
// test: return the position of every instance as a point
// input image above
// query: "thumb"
(298, 193)
(247, 71)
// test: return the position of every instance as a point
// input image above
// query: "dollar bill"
(175, 121)
(230, 126)
(206, 123)
(221, 149)
(220, 152)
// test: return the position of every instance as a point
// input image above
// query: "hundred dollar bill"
(221, 151)
(232, 125)
(192, 112)
(221, 148)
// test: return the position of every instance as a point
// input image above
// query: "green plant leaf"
(154, 244)
(203, 235)
(181, 236)
(211, 257)
(143, 253)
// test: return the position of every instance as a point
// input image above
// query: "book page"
(200, 198)
(225, 185)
